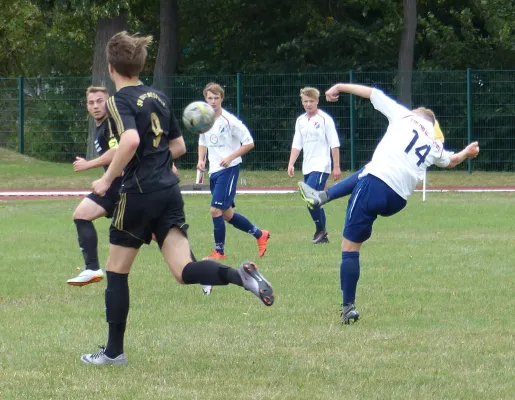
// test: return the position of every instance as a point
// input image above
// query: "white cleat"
(86, 277)
(207, 289)
(99, 358)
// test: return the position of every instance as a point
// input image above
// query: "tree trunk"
(105, 29)
(168, 53)
(407, 47)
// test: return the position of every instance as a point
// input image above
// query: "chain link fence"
(46, 117)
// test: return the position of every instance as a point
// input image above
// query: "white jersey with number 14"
(406, 150)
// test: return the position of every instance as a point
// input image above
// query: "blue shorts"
(371, 197)
(223, 187)
(316, 180)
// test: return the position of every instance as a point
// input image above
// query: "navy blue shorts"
(223, 187)
(316, 180)
(371, 197)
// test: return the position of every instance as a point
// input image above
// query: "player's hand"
(100, 186)
(175, 170)
(291, 171)
(332, 94)
(472, 150)
(80, 164)
(337, 173)
(225, 162)
(201, 165)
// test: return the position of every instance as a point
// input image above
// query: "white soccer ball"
(198, 117)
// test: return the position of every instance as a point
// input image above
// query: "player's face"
(214, 100)
(97, 105)
(310, 104)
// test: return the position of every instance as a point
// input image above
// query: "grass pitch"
(436, 296)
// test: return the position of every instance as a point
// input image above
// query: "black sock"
(117, 309)
(208, 272)
(88, 242)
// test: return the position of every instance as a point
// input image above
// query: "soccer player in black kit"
(150, 198)
(94, 206)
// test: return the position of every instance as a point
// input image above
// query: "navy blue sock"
(243, 224)
(316, 216)
(219, 231)
(349, 275)
(322, 218)
(344, 187)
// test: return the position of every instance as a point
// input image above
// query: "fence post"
(469, 115)
(352, 126)
(21, 113)
(238, 94)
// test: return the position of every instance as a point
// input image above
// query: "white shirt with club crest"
(226, 136)
(315, 136)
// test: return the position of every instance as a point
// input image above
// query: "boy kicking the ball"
(150, 198)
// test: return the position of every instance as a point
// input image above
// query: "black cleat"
(320, 237)
(349, 313)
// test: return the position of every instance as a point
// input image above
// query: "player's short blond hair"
(426, 113)
(97, 89)
(214, 88)
(310, 92)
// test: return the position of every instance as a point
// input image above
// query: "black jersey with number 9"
(147, 111)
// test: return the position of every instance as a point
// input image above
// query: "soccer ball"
(198, 117)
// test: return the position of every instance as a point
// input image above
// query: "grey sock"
(324, 197)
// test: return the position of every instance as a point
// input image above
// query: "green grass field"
(436, 296)
(21, 172)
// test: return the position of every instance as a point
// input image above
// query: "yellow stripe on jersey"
(118, 222)
(438, 132)
(113, 143)
(115, 114)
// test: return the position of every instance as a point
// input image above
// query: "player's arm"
(177, 147)
(245, 138)
(334, 143)
(296, 148)
(471, 151)
(359, 90)
(81, 164)
(129, 142)
(176, 142)
(202, 152)
(127, 146)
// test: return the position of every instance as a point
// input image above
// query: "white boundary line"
(76, 193)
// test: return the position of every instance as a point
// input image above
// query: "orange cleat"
(215, 255)
(262, 242)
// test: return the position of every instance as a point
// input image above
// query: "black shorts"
(138, 215)
(109, 200)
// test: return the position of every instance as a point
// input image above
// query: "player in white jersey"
(406, 150)
(315, 135)
(225, 143)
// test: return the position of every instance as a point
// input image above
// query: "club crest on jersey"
(317, 125)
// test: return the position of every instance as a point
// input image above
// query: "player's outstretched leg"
(312, 197)
(256, 283)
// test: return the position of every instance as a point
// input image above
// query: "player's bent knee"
(215, 212)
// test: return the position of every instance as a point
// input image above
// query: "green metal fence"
(46, 117)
